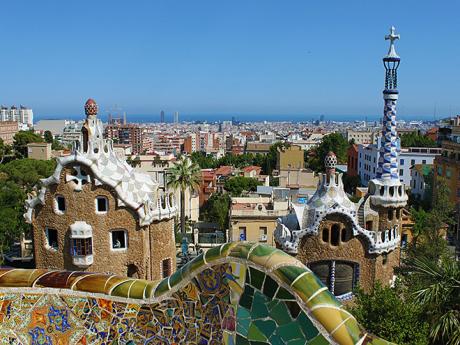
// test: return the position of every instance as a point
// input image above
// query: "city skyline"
(258, 58)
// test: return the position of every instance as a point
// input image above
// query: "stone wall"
(80, 206)
(313, 249)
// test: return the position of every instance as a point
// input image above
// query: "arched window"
(369, 225)
(325, 235)
(398, 213)
(335, 234)
(340, 277)
(345, 235)
(390, 214)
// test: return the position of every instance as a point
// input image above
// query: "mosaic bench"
(237, 294)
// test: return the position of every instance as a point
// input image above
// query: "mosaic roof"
(235, 294)
(134, 189)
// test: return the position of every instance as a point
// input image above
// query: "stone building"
(347, 244)
(96, 213)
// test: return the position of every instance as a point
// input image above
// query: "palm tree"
(437, 289)
(182, 175)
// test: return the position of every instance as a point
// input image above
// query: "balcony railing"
(257, 213)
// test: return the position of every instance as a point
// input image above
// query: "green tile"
(259, 308)
(254, 333)
(284, 294)
(241, 340)
(318, 340)
(212, 254)
(246, 297)
(257, 278)
(308, 329)
(241, 251)
(267, 327)
(270, 287)
(297, 342)
(280, 314)
(290, 331)
(289, 273)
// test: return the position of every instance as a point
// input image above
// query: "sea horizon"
(213, 118)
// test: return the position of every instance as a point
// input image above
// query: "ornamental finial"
(392, 37)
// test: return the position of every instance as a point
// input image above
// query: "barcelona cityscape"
(237, 173)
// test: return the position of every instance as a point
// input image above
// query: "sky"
(228, 57)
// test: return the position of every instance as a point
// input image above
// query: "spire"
(388, 161)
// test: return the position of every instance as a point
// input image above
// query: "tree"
(216, 210)
(350, 183)
(436, 289)
(4, 150)
(27, 172)
(21, 139)
(385, 313)
(416, 140)
(12, 222)
(334, 142)
(236, 185)
(427, 240)
(183, 175)
(48, 137)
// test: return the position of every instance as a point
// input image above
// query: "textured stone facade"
(147, 246)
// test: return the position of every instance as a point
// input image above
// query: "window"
(60, 204)
(423, 161)
(242, 233)
(51, 239)
(390, 214)
(102, 204)
(263, 234)
(401, 172)
(335, 234)
(326, 235)
(166, 268)
(369, 225)
(401, 162)
(404, 240)
(118, 239)
(412, 161)
(340, 277)
(82, 246)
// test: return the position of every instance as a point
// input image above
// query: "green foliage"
(350, 183)
(237, 185)
(216, 210)
(27, 172)
(274, 181)
(20, 141)
(183, 175)
(416, 140)
(56, 145)
(12, 223)
(238, 161)
(435, 286)
(4, 150)
(385, 313)
(48, 136)
(334, 142)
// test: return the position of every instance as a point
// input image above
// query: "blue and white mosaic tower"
(388, 161)
(387, 190)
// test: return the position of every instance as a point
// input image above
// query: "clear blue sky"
(247, 57)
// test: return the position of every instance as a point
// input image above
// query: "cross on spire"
(392, 37)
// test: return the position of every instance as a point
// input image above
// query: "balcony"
(257, 213)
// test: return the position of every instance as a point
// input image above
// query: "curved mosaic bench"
(237, 294)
